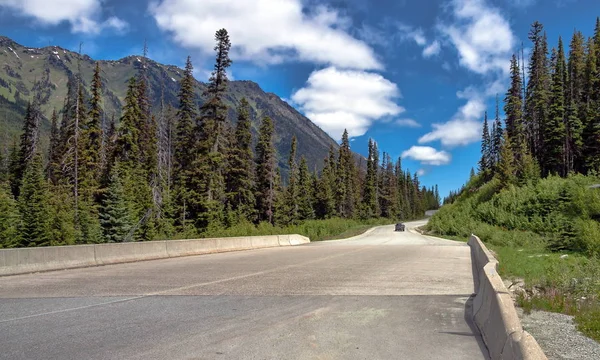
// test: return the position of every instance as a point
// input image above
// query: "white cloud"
(338, 99)
(266, 31)
(432, 49)
(484, 42)
(481, 35)
(407, 123)
(465, 126)
(421, 172)
(81, 14)
(427, 155)
(408, 32)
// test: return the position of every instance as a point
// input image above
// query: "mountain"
(26, 71)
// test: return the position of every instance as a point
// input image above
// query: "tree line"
(552, 114)
(157, 173)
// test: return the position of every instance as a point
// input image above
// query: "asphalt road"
(382, 295)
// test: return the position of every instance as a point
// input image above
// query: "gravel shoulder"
(558, 336)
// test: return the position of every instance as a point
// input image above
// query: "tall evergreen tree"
(213, 130)
(265, 171)
(346, 196)
(496, 139)
(325, 195)
(537, 100)
(53, 167)
(506, 166)
(127, 147)
(28, 144)
(91, 138)
(290, 205)
(186, 141)
(305, 192)
(33, 205)
(486, 149)
(240, 174)
(554, 128)
(513, 108)
(114, 216)
(370, 202)
(590, 109)
(10, 218)
(574, 125)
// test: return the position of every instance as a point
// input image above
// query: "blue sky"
(414, 75)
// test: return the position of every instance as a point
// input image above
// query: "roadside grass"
(554, 282)
(545, 232)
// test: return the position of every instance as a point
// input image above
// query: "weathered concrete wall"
(494, 311)
(26, 260)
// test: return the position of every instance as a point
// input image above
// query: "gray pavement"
(381, 295)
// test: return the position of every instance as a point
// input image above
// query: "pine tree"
(186, 141)
(574, 125)
(265, 171)
(506, 166)
(554, 128)
(127, 146)
(62, 226)
(14, 169)
(114, 216)
(325, 194)
(513, 108)
(148, 128)
(537, 100)
(3, 168)
(33, 205)
(590, 109)
(9, 218)
(53, 168)
(346, 196)
(28, 145)
(497, 138)
(213, 129)
(240, 174)
(91, 139)
(305, 192)
(370, 202)
(290, 206)
(486, 144)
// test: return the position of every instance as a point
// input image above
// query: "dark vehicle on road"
(400, 227)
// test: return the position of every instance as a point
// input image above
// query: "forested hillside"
(46, 72)
(162, 172)
(536, 198)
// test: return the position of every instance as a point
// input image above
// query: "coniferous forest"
(552, 113)
(180, 172)
(535, 200)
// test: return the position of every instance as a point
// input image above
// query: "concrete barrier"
(494, 312)
(296, 239)
(27, 260)
(259, 242)
(132, 251)
(176, 248)
(24, 260)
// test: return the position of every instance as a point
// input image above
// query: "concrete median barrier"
(494, 312)
(27, 260)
